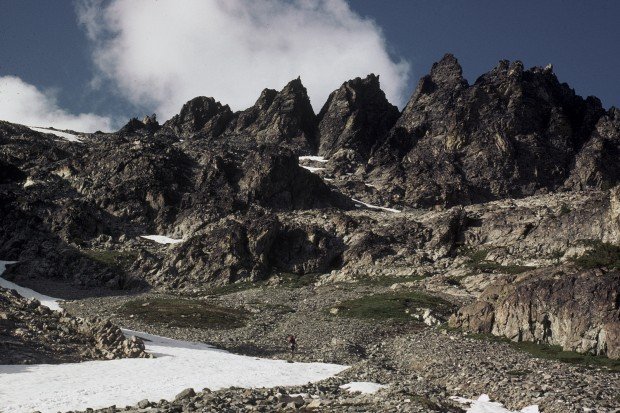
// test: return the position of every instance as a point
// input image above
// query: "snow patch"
(375, 206)
(161, 239)
(312, 168)
(178, 365)
(66, 136)
(313, 158)
(47, 301)
(485, 405)
(364, 387)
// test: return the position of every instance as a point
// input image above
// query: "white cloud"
(21, 102)
(159, 54)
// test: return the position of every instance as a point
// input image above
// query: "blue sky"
(44, 46)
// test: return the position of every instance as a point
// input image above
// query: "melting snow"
(375, 206)
(161, 239)
(47, 301)
(485, 405)
(313, 158)
(312, 168)
(365, 387)
(67, 136)
(177, 366)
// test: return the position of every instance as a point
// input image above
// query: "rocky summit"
(467, 244)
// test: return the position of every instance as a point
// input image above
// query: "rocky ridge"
(33, 334)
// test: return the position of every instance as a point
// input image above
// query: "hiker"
(292, 343)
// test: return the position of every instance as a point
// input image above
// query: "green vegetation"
(601, 254)
(478, 262)
(565, 209)
(549, 352)
(393, 305)
(114, 259)
(177, 312)
(490, 266)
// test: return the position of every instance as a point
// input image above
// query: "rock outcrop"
(577, 310)
(356, 116)
(283, 118)
(201, 115)
(512, 133)
(31, 333)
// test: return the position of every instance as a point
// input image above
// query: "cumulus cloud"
(159, 54)
(21, 102)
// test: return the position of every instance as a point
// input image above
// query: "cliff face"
(356, 116)
(510, 134)
(577, 310)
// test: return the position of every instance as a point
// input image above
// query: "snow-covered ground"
(375, 206)
(67, 136)
(485, 405)
(177, 366)
(161, 239)
(312, 168)
(313, 158)
(26, 292)
(365, 387)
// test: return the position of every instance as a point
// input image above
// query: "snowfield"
(312, 168)
(357, 201)
(485, 405)
(313, 158)
(177, 366)
(66, 136)
(161, 239)
(47, 301)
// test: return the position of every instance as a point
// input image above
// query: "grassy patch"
(491, 266)
(394, 305)
(177, 312)
(110, 258)
(601, 254)
(478, 262)
(549, 352)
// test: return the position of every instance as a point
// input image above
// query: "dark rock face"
(596, 165)
(357, 116)
(250, 247)
(577, 310)
(201, 114)
(279, 118)
(274, 180)
(510, 134)
(31, 333)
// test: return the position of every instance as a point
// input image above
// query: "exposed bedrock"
(577, 310)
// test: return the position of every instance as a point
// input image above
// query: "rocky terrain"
(33, 334)
(384, 239)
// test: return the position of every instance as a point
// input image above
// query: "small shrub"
(601, 254)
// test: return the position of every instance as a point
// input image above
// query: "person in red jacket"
(292, 343)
